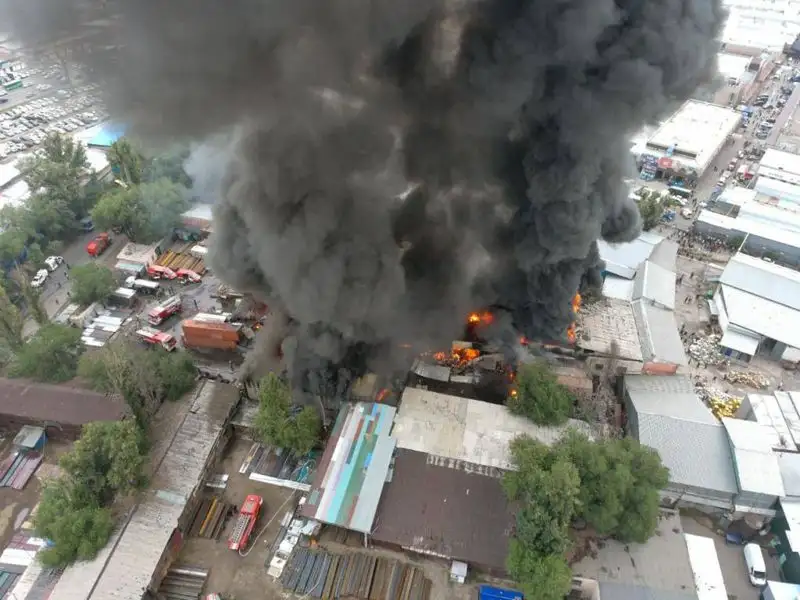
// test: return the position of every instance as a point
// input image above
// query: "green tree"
(107, 459)
(51, 355)
(126, 161)
(540, 397)
(11, 323)
(279, 423)
(35, 255)
(651, 209)
(91, 283)
(146, 212)
(544, 577)
(32, 297)
(51, 215)
(73, 522)
(545, 488)
(12, 243)
(169, 164)
(620, 484)
(143, 377)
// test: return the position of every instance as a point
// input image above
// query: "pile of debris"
(748, 378)
(705, 350)
(722, 404)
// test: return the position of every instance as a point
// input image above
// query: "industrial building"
(761, 25)
(687, 143)
(133, 259)
(635, 320)
(757, 305)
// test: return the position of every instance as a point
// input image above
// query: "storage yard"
(182, 258)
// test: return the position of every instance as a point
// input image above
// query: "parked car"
(39, 279)
(53, 262)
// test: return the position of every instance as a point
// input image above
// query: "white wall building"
(690, 139)
(758, 306)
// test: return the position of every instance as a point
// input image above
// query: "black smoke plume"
(381, 168)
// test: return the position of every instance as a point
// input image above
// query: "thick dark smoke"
(380, 168)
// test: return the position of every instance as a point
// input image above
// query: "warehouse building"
(754, 236)
(62, 409)
(139, 553)
(758, 308)
(687, 143)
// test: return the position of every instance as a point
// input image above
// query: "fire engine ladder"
(239, 529)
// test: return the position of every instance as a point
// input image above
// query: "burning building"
(511, 131)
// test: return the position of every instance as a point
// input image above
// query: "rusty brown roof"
(66, 404)
(447, 508)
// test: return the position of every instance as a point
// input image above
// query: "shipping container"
(200, 334)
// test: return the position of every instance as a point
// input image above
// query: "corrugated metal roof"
(608, 322)
(658, 334)
(623, 591)
(757, 468)
(667, 396)
(762, 316)
(357, 457)
(624, 259)
(124, 572)
(766, 280)
(467, 430)
(656, 284)
(665, 255)
(789, 464)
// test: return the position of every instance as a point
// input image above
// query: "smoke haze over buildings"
(505, 121)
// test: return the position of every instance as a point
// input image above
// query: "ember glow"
(572, 335)
(458, 356)
(483, 318)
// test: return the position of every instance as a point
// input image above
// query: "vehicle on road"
(248, 515)
(99, 244)
(53, 262)
(159, 272)
(145, 286)
(162, 312)
(686, 213)
(156, 338)
(756, 569)
(39, 279)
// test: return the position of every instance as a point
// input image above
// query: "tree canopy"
(126, 161)
(91, 283)
(650, 209)
(146, 212)
(620, 484)
(612, 484)
(540, 397)
(280, 423)
(144, 377)
(107, 460)
(11, 323)
(50, 355)
(76, 525)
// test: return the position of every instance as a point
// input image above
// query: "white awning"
(739, 342)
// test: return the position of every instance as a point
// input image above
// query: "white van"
(756, 569)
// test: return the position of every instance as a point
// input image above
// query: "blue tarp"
(488, 592)
(107, 136)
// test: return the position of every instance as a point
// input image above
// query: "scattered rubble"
(721, 403)
(705, 350)
(748, 378)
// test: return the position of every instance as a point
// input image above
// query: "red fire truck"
(159, 272)
(154, 337)
(248, 515)
(162, 312)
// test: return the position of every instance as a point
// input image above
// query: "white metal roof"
(656, 284)
(746, 225)
(464, 429)
(740, 342)
(136, 253)
(757, 468)
(771, 214)
(762, 316)
(658, 334)
(698, 129)
(200, 211)
(624, 259)
(608, 322)
(617, 288)
(773, 188)
(737, 196)
(784, 162)
(703, 557)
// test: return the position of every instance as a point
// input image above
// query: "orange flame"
(576, 302)
(440, 356)
(513, 393)
(484, 318)
(571, 334)
(523, 341)
(474, 319)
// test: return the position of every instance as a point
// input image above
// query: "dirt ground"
(15, 505)
(238, 577)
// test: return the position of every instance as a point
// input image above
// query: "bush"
(51, 355)
(91, 283)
